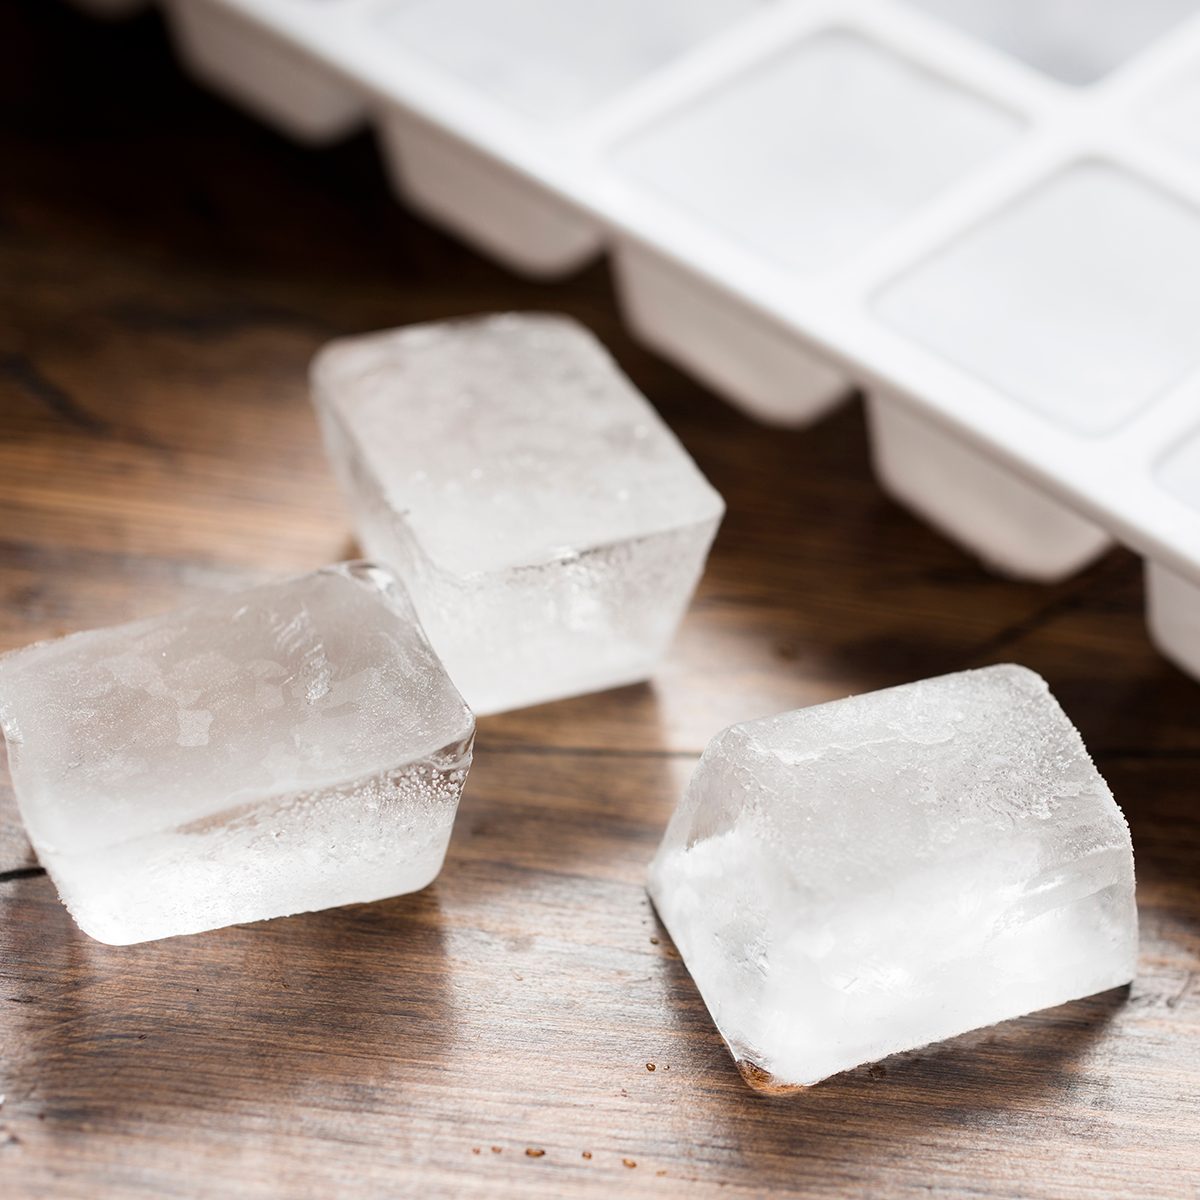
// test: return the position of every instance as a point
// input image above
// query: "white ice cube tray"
(986, 213)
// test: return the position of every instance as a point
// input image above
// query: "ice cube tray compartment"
(252, 66)
(553, 61)
(1076, 41)
(481, 199)
(545, 65)
(1013, 525)
(984, 214)
(807, 157)
(1091, 258)
(738, 351)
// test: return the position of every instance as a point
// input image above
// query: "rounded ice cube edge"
(1072, 936)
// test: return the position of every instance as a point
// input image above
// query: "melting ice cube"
(548, 525)
(867, 876)
(283, 749)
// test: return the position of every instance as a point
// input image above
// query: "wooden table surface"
(523, 1027)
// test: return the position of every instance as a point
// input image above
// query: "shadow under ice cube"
(283, 749)
(548, 525)
(868, 876)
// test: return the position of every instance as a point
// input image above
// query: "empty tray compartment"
(797, 164)
(1076, 302)
(1015, 527)
(745, 355)
(1073, 41)
(545, 66)
(501, 211)
(267, 75)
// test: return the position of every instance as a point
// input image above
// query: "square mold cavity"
(1079, 300)
(1011, 524)
(255, 67)
(553, 60)
(479, 198)
(817, 151)
(754, 362)
(1075, 41)
(549, 62)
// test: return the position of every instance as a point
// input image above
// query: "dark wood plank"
(166, 270)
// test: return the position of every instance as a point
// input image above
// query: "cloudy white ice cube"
(549, 527)
(287, 748)
(871, 875)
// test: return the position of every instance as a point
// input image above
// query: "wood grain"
(166, 270)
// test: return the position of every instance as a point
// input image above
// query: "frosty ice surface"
(549, 527)
(867, 876)
(287, 748)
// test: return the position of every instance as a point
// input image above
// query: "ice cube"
(867, 876)
(287, 748)
(549, 527)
